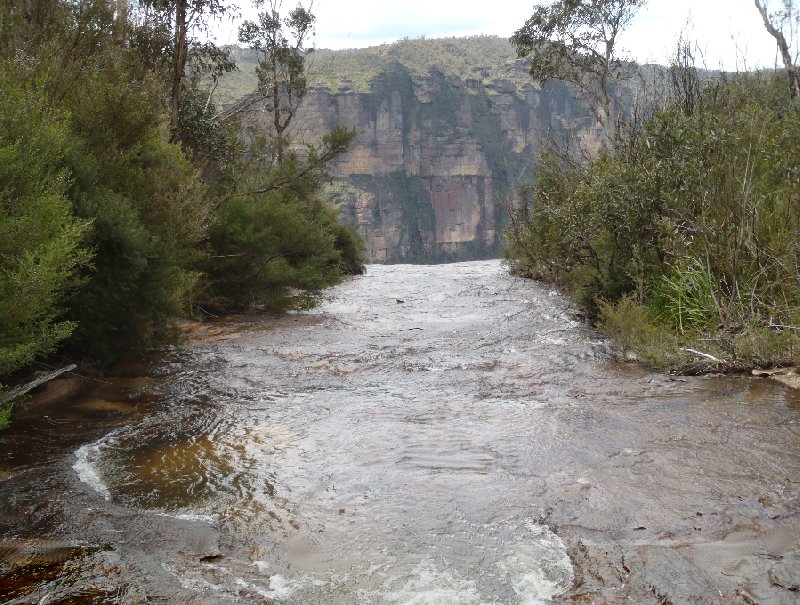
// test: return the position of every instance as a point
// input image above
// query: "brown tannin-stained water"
(430, 435)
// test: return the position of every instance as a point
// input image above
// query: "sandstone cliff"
(448, 129)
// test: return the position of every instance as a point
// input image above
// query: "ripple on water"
(373, 458)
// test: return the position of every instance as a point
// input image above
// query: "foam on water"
(281, 588)
(86, 467)
(192, 580)
(538, 569)
(210, 519)
(429, 585)
(536, 573)
(532, 571)
(262, 566)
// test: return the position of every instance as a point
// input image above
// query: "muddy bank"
(434, 434)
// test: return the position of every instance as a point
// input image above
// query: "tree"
(274, 232)
(269, 243)
(280, 42)
(108, 220)
(142, 204)
(775, 23)
(575, 41)
(185, 17)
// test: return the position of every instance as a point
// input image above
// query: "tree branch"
(18, 392)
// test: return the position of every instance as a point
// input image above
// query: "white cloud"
(340, 20)
(729, 32)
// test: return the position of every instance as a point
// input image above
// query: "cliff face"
(438, 154)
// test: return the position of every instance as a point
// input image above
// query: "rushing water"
(441, 434)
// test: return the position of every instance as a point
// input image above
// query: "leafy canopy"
(280, 43)
(575, 41)
(41, 246)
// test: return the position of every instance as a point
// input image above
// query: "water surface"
(431, 434)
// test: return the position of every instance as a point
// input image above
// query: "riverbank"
(63, 541)
(772, 351)
(678, 240)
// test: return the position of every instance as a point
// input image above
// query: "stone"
(437, 156)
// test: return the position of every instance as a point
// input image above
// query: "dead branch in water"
(706, 355)
(19, 391)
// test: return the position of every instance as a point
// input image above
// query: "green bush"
(149, 212)
(684, 297)
(90, 171)
(632, 327)
(697, 215)
(266, 245)
(41, 245)
(142, 205)
(351, 249)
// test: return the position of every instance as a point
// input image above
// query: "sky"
(730, 33)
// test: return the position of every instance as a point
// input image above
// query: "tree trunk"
(276, 104)
(120, 20)
(180, 61)
(10, 396)
(791, 69)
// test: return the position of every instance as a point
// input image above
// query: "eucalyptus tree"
(576, 41)
(184, 18)
(280, 43)
(787, 17)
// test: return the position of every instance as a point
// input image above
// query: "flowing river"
(429, 435)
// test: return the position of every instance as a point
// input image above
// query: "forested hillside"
(484, 59)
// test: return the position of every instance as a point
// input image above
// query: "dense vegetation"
(685, 232)
(681, 237)
(126, 200)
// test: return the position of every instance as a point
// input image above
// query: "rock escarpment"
(447, 131)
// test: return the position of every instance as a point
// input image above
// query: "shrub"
(41, 247)
(148, 209)
(265, 245)
(696, 215)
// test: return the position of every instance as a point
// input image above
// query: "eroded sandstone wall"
(436, 157)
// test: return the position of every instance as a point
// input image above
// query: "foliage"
(268, 245)
(575, 41)
(5, 414)
(112, 222)
(279, 42)
(350, 246)
(146, 206)
(276, 235)
(696, 215)
(685, 296)
(625, 321)
(41, 248)
(176, 21)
